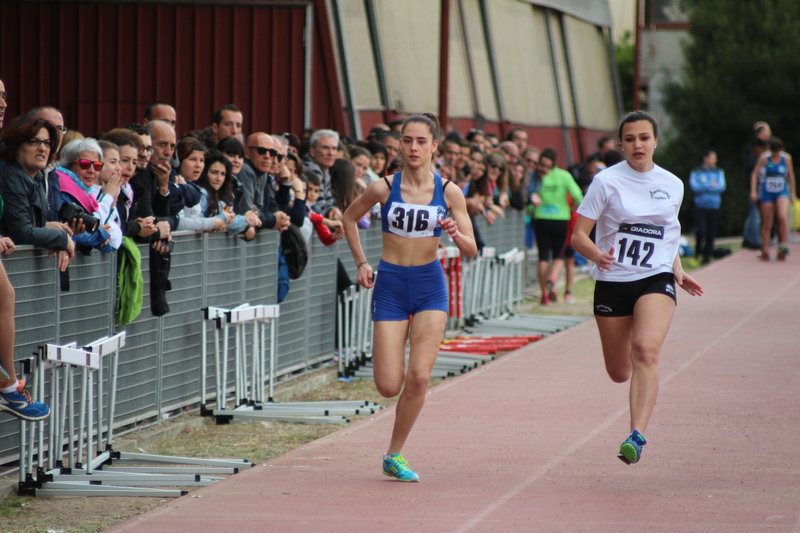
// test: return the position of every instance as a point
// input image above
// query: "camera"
(70, 211)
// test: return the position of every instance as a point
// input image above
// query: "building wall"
(102, 63)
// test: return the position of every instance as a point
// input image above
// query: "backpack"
(294, 251)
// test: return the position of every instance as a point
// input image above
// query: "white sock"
(11, 388)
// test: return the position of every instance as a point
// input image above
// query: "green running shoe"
(395, 466)
(630, 451)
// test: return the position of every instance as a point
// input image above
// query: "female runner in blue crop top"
(410, 281)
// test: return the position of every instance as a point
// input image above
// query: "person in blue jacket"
(708, 183)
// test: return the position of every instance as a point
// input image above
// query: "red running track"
(529, 442)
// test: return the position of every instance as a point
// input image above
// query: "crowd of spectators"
(140, 182)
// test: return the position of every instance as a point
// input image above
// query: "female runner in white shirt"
(410, 280)
(635, 206)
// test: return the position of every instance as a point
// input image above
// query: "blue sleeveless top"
(776, 170)
(413, 220)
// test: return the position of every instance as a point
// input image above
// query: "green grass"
(11, 505)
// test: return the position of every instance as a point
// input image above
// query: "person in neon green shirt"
(552, 219)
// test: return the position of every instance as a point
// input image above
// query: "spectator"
(260, 152)
(517, 186)
(161, 111)
(168, 199)
(509, 151)
(378, 158)
(344, 188)
(294, 165)
(530, 156)
(54, 117)
(192, 155)
(294, 143)
(216, 183)
(226, 122)
(134, 209)
(79, 170)
(321, 156)
(29, 143)
(106, 191)
(283, 180)
(708, 183)
(396, 125)
(552, 214)
(322, 225)
(612, 157)
(234, 151)
(360, 158)
(146, 149)
(492, 141)
(476, 138)
(391, 140)
(519, 137)
(493, 185)
(451, 152)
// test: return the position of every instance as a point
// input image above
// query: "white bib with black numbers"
(775, 184)
(411, 220)
(640, 247)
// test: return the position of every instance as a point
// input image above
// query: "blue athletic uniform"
(401, 291)
(773, 185)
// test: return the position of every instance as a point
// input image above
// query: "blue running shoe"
(395, 466)
(20, 404)
(630, 451)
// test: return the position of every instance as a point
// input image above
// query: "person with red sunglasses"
(78, 171)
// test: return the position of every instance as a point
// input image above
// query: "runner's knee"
(645, 352)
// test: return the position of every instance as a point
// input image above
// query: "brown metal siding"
(102, 63)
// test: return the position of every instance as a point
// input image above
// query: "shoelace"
(24, 391)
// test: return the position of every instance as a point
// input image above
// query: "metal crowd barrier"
(159, 366)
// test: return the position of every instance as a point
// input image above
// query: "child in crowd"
(322, 225)
(216, 183)
(107, 191)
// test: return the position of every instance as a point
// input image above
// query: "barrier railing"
(159, 366)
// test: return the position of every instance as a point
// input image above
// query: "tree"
(741, 66)
(624, 52)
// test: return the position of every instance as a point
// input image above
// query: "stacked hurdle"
(92, 461)
(255, 367)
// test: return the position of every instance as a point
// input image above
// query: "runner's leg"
(427, 330)
(652, 317)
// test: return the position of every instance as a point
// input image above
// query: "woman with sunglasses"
(552, 215)
(78, 171)
(29, 143)
(415, 203)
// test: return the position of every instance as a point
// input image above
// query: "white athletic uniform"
(637, 215)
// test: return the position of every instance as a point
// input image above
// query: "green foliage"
(624, 52)
(742, 66)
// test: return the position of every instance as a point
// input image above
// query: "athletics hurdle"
(95, 476)
(249, 402)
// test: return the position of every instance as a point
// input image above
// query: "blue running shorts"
(401, 291)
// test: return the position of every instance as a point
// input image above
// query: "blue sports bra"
(413, 220)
